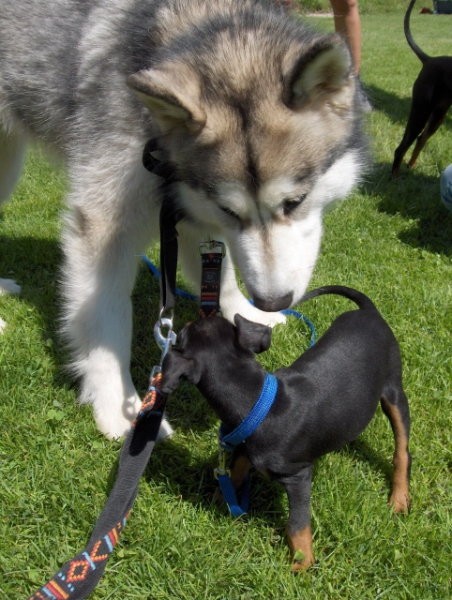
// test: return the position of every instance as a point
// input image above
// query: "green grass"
(390, 239)
(365, 6)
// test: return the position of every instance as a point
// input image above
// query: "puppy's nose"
(273, 304)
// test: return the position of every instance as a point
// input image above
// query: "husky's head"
(259, 118)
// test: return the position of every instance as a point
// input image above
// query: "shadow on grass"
(395, 107)
(414, 196)
(33, 264)
(172, 466)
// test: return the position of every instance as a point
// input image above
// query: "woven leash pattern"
(77, 578)
(69, 581)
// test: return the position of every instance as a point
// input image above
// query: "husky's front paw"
(114, 418)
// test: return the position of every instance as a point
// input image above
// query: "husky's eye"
(290, 204)
(230, 213)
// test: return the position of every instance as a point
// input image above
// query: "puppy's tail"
(422, 56)
(357, 297)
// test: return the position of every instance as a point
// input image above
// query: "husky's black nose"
(273, 304)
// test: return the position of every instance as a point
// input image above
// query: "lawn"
(392, 240)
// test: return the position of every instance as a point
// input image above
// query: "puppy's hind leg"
(395, 407)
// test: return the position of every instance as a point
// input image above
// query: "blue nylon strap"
(255, 417)
(236, 507)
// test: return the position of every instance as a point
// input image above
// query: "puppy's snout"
(273, 304)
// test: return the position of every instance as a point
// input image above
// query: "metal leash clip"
(223, 459)
(212, 246)
(164, 342)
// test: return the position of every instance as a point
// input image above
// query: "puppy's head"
(209, 345)
(259, 118)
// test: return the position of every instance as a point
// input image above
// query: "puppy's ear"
(171, 93)
(323, 73)
(253, 336)
(176, 366)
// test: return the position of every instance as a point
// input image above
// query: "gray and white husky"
(257, 113)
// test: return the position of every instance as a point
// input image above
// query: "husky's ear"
(252, 336)
(323, 73)
(175, 366)
(172, 97)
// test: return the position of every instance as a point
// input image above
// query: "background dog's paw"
(9, 286)
(2, 325)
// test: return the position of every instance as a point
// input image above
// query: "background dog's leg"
(419, 114)
(109, 223)
(397, 410)
(231, 298)
(433, 123)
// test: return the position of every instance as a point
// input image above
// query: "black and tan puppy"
(432, 98)
(325, 399)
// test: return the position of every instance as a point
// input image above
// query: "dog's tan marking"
(300, 544)
(240, 470)
(399, 499)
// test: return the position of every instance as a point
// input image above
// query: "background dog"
(256, 113)
(432, 98)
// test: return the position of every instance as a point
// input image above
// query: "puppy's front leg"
(298, 488)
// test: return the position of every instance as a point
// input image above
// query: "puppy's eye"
(290, 204)
(230, 213)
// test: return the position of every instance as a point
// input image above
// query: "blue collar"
(228, 441)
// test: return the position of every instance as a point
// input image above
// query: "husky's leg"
(109, 222)
(12, 154)
(232, 300)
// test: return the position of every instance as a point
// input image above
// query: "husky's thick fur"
(257, 113)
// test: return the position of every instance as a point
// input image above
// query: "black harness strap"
(170, 215)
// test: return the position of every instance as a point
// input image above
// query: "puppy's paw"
(2, 325)
(9, 286)
(400, 502)
(301, 561)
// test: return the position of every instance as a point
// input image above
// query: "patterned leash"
(79, 576)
